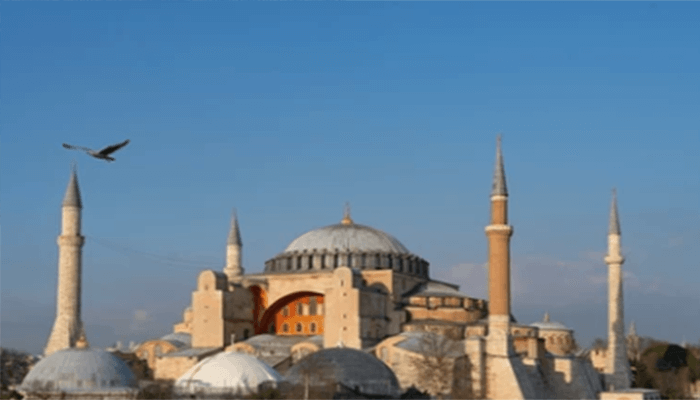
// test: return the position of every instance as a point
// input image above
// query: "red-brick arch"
(274, 309)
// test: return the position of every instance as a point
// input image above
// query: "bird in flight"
(102, 154)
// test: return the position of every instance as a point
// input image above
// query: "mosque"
(353, 297)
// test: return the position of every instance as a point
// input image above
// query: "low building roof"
(179, 339)
(414, 343)
(192, 352)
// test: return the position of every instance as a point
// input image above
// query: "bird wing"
(111, 149)
(68, 146)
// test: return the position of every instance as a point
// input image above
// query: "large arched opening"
(299, 313)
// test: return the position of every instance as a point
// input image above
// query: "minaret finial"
(546, 317)
(346, 215)
(234, 235)
(499, 175)
(72, 196)
(614, 226)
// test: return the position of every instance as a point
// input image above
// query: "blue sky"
(288, 110)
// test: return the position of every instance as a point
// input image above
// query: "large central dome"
(348, 237)
(346, 244)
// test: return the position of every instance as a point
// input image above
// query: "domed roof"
(347, 236)
(354, 369)
(228, 371)
(80, 370)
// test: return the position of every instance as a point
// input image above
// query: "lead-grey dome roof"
(80, 370)
(352, 368)
(353, 237)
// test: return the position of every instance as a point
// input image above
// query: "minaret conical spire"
(234, 236)
(72, 196)
(499, 175)
(68, 326)
(234, 247)
(618, 374)
(614, 225)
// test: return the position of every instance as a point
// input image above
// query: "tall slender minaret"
(234, 267)
(68, 327)
(617, 369)
(499, 233)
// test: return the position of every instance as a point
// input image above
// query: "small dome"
(352, 368)
(225, 372)
(347, 236)
(80, 370)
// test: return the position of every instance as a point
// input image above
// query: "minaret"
(499, 233)
(617, 369)
(234, 267)
(68, 327)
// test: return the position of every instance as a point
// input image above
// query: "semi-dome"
(227, 372)
(351, 368)
(346, 244)
(76, 370)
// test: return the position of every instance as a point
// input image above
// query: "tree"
(15, 366)
(435, 363)
(317, 378)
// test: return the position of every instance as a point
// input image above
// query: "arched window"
(299, 262)
(300, 309)
(298, 327)
(312, 327)
(335, 261)
(272, 328)
(285, 311)
(285, 328)
(312, 306)
(245, 334)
